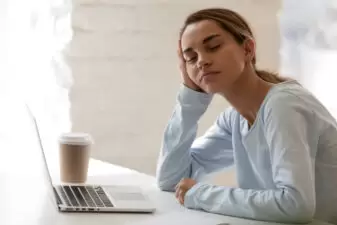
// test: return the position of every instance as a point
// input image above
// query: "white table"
(29, 205)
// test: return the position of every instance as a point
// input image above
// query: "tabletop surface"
(25, 200)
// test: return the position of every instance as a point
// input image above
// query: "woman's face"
(214, 60)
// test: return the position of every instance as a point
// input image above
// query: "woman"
(281, 139)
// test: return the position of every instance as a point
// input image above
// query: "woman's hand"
(182, 66)
(182, 187)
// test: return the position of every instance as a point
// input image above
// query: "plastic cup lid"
(74, 138)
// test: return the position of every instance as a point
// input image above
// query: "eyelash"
(191, 60)
(212, 49)
(215, 47)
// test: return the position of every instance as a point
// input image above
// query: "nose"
(203, 61)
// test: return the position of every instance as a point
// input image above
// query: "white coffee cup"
(74, 149)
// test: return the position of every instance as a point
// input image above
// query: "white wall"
(123, 56)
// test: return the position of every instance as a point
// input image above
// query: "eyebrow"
(207, 39)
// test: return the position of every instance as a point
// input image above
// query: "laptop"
(93, 198)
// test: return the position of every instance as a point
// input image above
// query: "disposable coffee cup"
(74, 149)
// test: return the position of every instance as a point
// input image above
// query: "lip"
(208, 73)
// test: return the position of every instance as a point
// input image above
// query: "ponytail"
(270, 77)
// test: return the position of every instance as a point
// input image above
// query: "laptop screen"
(47, 180)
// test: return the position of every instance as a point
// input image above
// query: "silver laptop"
(93, 198)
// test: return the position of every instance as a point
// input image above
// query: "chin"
(210, 89)
(217, 87)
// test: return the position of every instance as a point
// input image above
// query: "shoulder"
(288, 100)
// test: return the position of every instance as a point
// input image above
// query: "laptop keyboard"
(84, 196)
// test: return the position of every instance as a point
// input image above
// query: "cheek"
(192, 73)
(232, 63)
(239, 60)
(232, 57)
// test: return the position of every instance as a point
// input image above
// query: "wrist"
(189, 96)
(191, 196)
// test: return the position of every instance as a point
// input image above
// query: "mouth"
(208, 74)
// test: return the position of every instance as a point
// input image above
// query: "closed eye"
(190, 60)
(214, 47)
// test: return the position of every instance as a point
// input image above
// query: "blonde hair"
(236, 25)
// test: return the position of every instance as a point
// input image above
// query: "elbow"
(163, 183)
(165, 186)
(166, 181)
(301, 215)
(301, 211)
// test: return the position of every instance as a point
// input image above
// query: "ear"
(249, 49)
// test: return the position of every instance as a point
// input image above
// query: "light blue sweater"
(286, 163)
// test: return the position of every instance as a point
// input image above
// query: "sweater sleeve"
(182, 155)
(291, 135)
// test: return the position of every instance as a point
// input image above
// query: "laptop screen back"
(47, 180)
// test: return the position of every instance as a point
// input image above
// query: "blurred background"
(109, 67)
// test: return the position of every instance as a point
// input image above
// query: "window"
(33, 72)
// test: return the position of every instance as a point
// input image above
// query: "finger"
(180, 50)
(179, 53)
(177, 193)
(177, 188)
(178, 196)
(181, 196)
